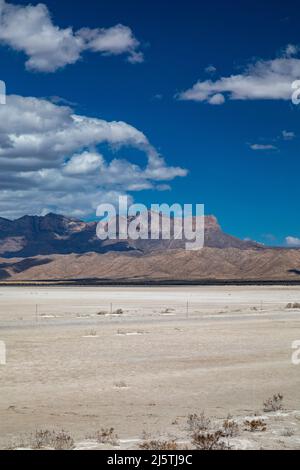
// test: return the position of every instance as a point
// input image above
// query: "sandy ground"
(75, 363)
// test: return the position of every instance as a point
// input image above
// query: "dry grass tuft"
(52, 439)
(198, 422)
(274, 403)
(209, 440)
(107, 436)
(119, 311)
(293, 305)
(230, 427)
(255, 425)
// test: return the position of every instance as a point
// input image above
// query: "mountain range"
(55, 247)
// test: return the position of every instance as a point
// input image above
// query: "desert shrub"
(293, 305)
(119, 311)
(63, 441)
(41, 438)
(209, 440)
(255, 425)
(121, 384)
(55, 440)
(274, 403)
(198, 422)
(107, 436)
(230, 427)
(158, 445)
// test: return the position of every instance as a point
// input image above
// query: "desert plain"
(142, 359)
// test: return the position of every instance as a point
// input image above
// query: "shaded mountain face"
(55, 234)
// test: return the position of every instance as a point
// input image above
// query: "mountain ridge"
(52, 234)
(55, 247)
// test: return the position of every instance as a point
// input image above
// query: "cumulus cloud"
(30, 29)
(217, 99)
(50, 159)
(288, 135)
(263, 147)
(292, 242)
(261, 80)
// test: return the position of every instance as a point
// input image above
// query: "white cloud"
(50, 158)
(261, 80)
(210, 69)
(136, 57)
(84, 164)
(292, 242)
(291, 50)
(30, 29)
(288, 135)
(263, 147)
(217, 99)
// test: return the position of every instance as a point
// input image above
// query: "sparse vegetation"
(255, 425)
(203, 438)
(230, 427)
(198, 422)
(274, 403)
(52, 439)
(209, 440)
(158, 445)
(41, 438)
(119, 311)
(121, 384)
(293, 305)
(63, 441)
(107, 436)
(204, 434)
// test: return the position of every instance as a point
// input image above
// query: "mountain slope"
(208, 263)
(59, 248)
(55, 234)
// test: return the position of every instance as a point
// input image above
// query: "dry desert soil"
(142, 359)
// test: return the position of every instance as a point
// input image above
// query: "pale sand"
(225, 352)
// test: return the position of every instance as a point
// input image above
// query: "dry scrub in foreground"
(205, 438)
(107, 436)
(52, 439)
(209, 440)
(198, 422)
(255, 425)
(203, 433)
(275, 403)
(230, 427)
(159, 445)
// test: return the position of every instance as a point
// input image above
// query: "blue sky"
(242, 155)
